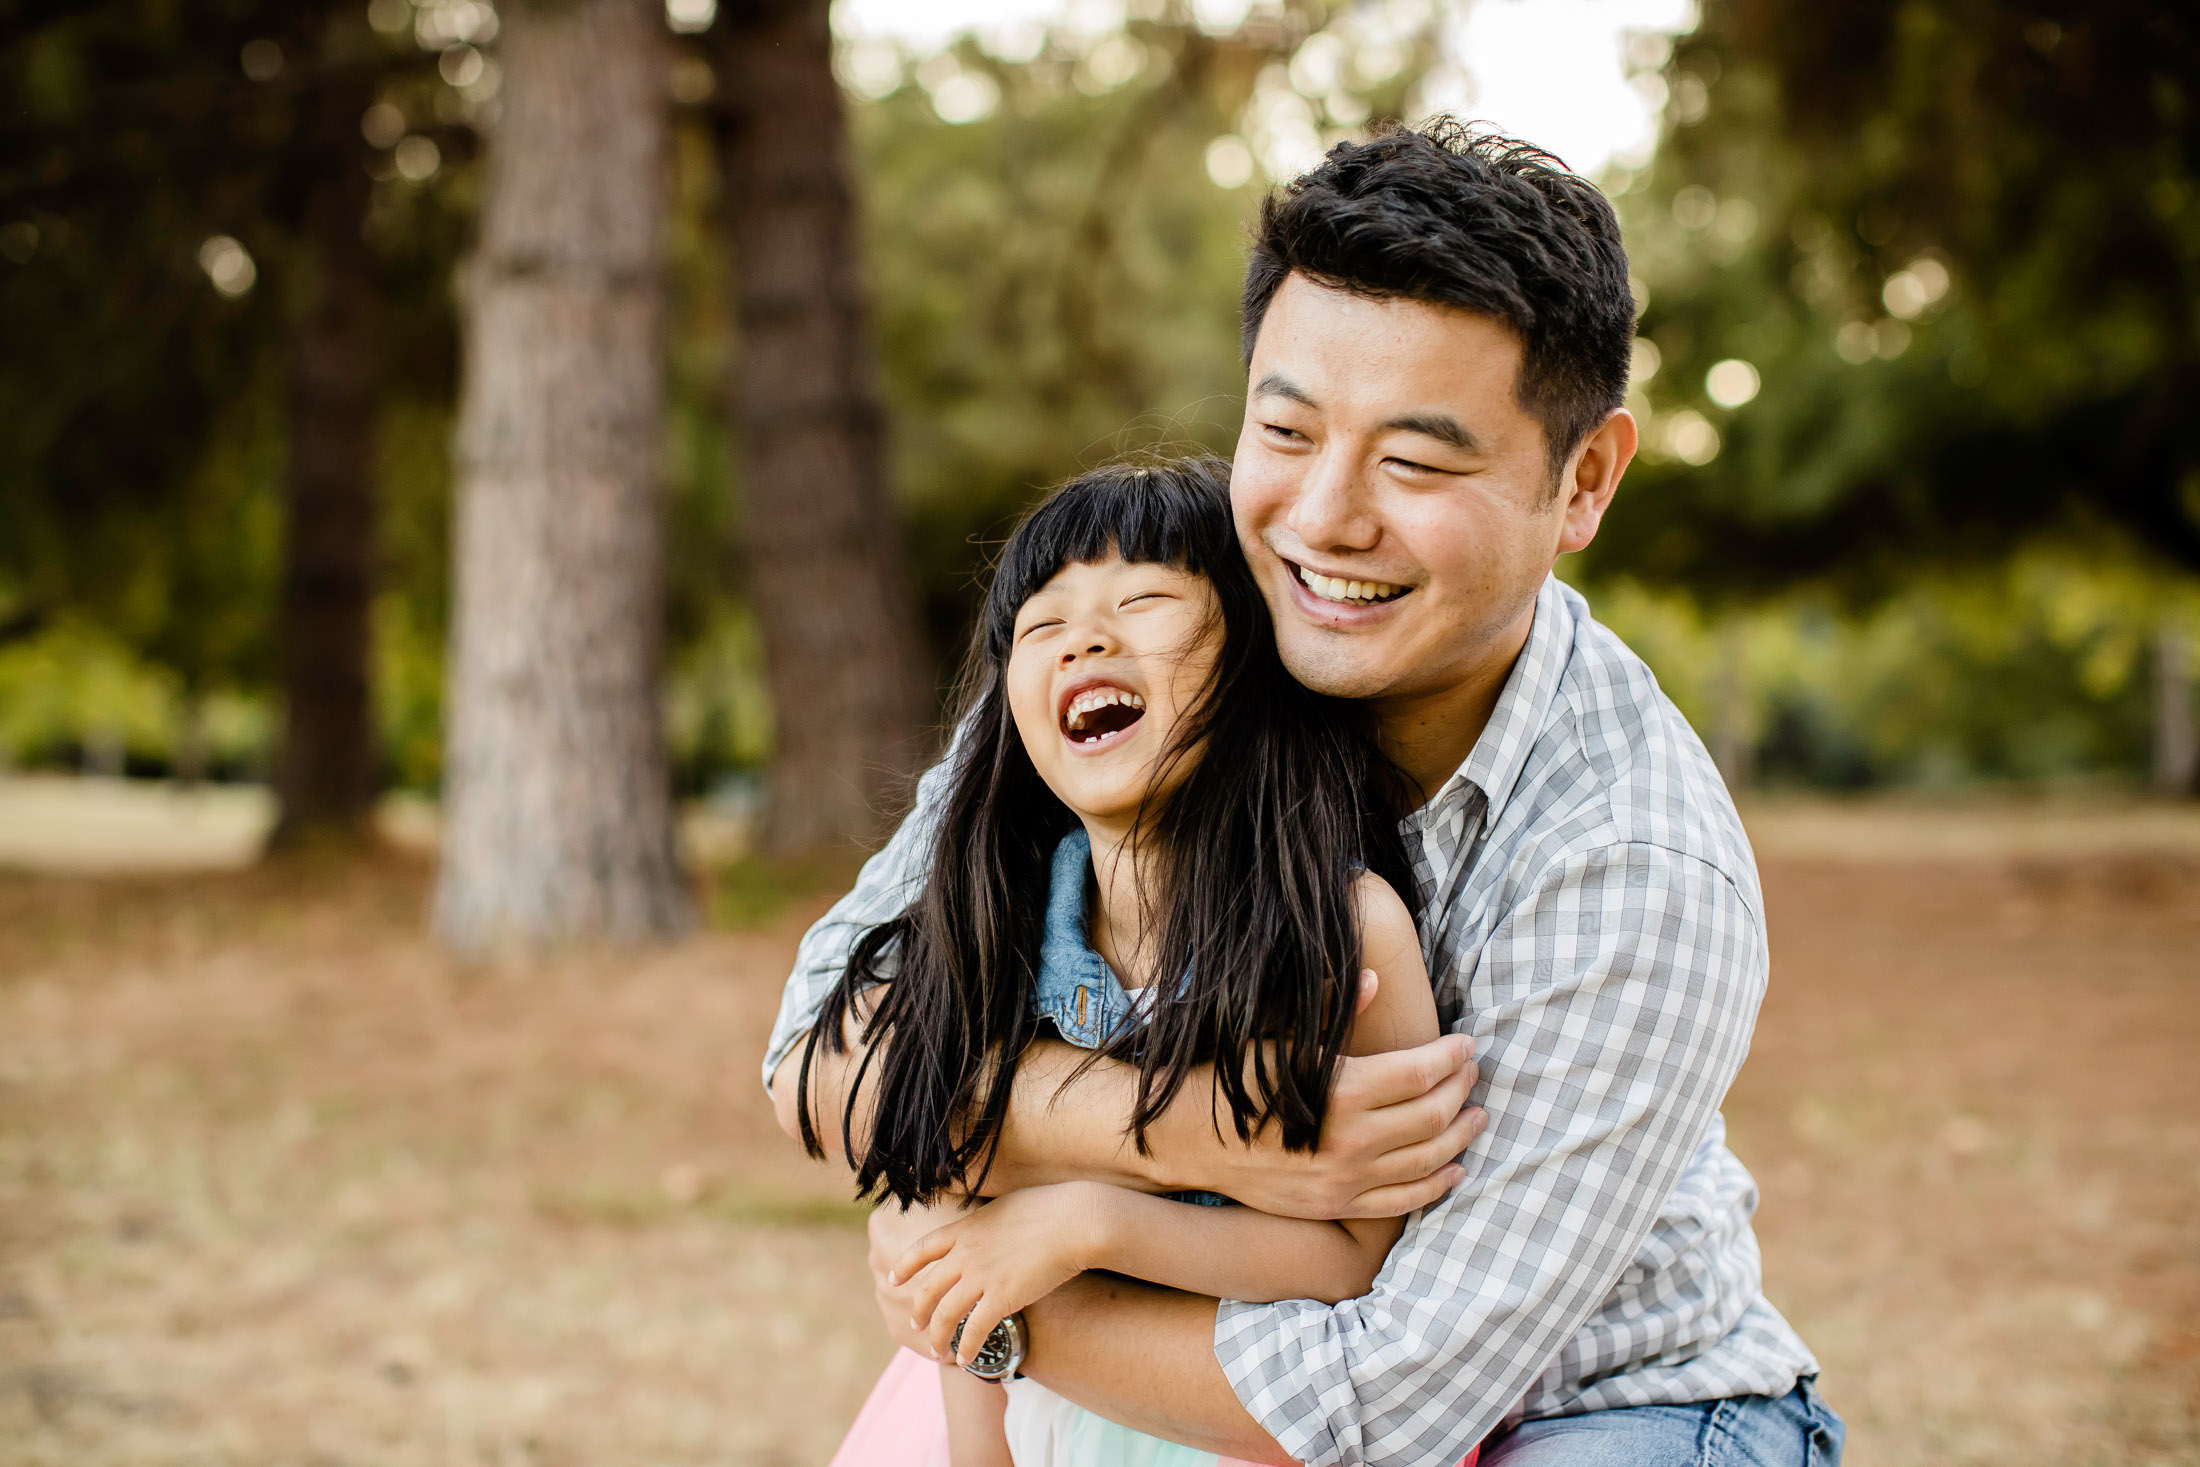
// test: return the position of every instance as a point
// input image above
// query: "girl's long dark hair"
(1284, 799)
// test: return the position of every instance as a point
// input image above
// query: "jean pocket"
(1827, 1432)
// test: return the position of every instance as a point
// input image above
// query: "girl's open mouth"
(1098, 713)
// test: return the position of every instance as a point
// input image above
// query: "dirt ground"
(280, 1184)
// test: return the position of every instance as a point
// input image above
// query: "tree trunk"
(850, 683)
(189, 762)
(2176, 752)
(1733, 740)
(557, 793)
(325, 767)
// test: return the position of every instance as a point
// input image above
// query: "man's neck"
(1428, 735)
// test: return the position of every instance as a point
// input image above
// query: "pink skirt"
(904, 1423)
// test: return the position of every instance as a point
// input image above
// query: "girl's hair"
(1284, 799)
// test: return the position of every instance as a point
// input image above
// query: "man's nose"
(1331, 510)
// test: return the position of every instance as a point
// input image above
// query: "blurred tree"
(134, 376)
(1058, 242)
(1947, 252)
(325, 774)
(185, 209)
(557, 797)
(850, 680)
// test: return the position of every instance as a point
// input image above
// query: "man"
(1437, 327)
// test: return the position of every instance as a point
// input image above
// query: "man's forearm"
(1060, 1128)
(1069, 1122)
(832, 1091)
(1396, 1122)
(1143, 1357)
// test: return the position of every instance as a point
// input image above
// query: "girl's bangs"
(1175, 513)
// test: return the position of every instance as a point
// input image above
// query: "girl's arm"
(975, 1410)
(996, 1259)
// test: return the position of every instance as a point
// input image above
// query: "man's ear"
(1593, 477)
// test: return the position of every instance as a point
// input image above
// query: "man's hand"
(994, 1260)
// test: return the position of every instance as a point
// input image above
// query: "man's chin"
(1336, 666)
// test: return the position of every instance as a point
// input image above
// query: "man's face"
(1394, 499)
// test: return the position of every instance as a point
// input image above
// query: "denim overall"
(1077, 991)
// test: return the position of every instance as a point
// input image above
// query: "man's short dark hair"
(1457, 217)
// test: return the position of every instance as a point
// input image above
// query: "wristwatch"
(1002, 1354)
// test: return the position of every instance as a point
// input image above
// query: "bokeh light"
(1731, 383)
(228, 265)
(1229, 162)
(418, 158)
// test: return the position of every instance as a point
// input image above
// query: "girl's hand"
(892, 1230)
(996, 1259)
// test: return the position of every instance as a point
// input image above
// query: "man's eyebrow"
(1274, 385)
(1442, 427)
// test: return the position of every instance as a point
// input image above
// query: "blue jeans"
(1794, 1430)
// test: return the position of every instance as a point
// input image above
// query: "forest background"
(535, 462)
(1918, 283)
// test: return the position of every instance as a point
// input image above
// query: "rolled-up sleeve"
(1612, 1006)
(887, 884)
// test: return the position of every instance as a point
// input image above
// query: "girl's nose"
(1091, 641)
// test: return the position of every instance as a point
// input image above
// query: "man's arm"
(1617, 999)
(1395, 1120)
(1137, 1354)
(1395, 1123)
(1144, 1357)
(889, 881)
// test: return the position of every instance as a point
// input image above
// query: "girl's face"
(1107, 658)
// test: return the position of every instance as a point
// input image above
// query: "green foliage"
(1056, 284)
(2032, 670)
(1960, 241)
(753, 891)
(142, 397)
(74, 692)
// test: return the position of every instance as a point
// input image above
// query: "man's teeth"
(1092, 700)
(1336, 588)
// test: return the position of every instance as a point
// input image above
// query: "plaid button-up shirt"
(1592, 917)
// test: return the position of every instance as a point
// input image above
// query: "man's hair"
(1487, 223)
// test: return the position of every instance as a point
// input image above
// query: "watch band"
(1002, 1354)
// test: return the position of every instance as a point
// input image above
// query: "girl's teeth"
(1334, 588)
(1087, 703)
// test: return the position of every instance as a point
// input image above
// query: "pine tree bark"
(849, 677)
(325, 765)
(2176, 749)
(557, 797)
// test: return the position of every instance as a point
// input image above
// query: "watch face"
(1001, 1353)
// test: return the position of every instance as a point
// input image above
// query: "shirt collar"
(1523, 709)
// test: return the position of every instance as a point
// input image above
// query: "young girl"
(1158, 846)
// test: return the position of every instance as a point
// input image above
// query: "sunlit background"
(288, 1175)
(1772, 328)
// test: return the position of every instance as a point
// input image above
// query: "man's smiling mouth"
(1348, 592)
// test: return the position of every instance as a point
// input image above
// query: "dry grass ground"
(279, 1184)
